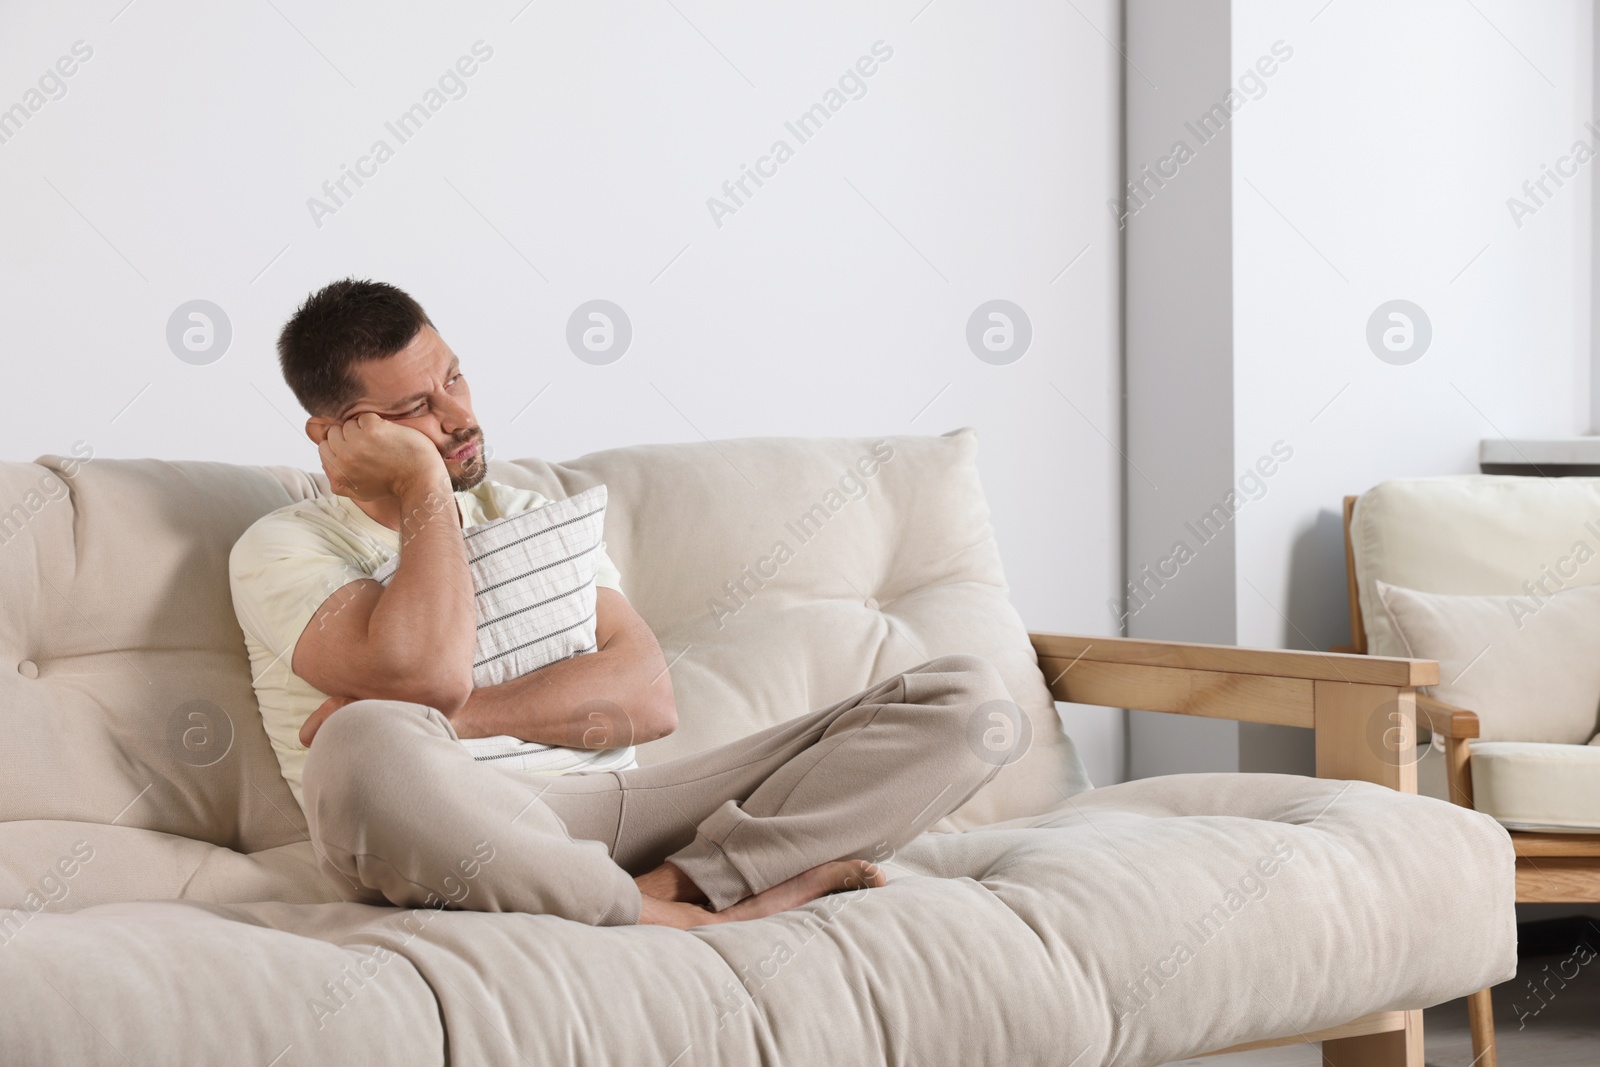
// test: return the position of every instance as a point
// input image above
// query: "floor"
(1559, 1026)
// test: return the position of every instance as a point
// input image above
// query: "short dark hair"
(345, 322)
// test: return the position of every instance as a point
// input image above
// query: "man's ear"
(317, 429)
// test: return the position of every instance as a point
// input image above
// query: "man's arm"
(620, 694)
(413, 640)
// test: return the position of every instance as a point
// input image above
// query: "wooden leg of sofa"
(1394, 1048)
(1480, 1013)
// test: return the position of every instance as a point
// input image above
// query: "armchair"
(1513, 523)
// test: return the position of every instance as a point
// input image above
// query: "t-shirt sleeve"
(605, 572)
(280, 572)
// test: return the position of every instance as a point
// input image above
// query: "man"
(366, 689)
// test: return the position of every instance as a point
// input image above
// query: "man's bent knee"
(972, 678)
(976, 721)
(367, 732)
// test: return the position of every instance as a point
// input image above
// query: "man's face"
(421, 386)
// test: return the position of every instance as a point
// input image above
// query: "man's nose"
(453, 415)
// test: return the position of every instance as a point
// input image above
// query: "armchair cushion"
(1482, 534)
(1528, 786)
(1529, 669)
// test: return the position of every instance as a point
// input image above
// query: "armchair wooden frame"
(1551, 868)
(1337, 696)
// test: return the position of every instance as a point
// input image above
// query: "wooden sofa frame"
(1336, 695)
(1551, 868)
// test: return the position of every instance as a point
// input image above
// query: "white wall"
(577, 165)
(1594, 219)
(1370, 153)
(1391, 142)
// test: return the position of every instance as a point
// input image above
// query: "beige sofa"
(165, 906)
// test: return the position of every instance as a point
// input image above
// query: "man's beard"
(474, 469)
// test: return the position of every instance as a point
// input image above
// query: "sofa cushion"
(1133, 925)
(106, 864)
(1529, 786)
(1530, 672)
(125, 695)
(779, 574)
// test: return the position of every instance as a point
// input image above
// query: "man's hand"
(412, 639)
(618, 695)
(370, 458)
(309, 728)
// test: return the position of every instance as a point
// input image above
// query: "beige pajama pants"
(399, 811)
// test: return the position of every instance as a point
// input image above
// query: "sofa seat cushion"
(1531, 786)
(1135, 924)
(73, 865)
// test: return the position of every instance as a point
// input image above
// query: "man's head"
(359, 346)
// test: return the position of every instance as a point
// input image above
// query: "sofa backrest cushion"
(125, 693)
(783, 574)
(779, 574)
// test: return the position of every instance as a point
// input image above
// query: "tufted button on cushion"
(872, 603)
(28, 669)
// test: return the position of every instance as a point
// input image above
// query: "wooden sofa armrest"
(1363, 708)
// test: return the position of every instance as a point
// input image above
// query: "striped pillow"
(534, 575)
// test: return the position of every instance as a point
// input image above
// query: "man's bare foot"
(819, 881)
(653, 911)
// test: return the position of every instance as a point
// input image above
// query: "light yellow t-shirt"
(290, 561)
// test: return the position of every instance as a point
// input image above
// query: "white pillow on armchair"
(1528, 667)
(534, 573)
